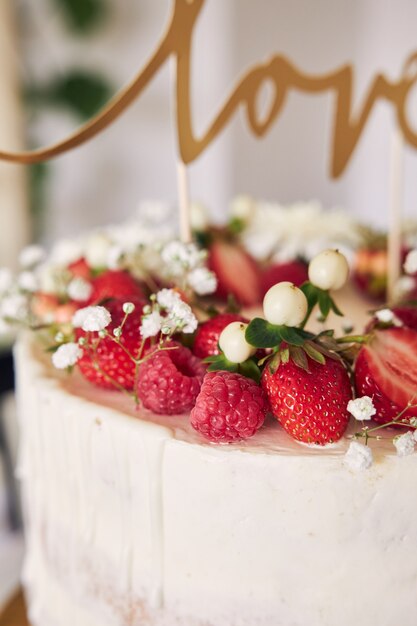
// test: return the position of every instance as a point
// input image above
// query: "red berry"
(386, 370)
(293, 271)
(311, 406)
(114, 365)
(80, 269)
(115, 284)
(237, 273)
(230, 407)
(208, 333)
(407, 314)
(169, 381)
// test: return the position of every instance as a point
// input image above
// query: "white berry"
(233, 343)
(329, 270)
(285, 304)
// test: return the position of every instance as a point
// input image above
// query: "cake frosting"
(132, 519)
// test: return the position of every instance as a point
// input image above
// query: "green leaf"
(313, 353)
(311, 293)
(275, 362)
(223, 365)
(262, 334)
(335, 308)
(214, 358)
(293, 336)
(285, 355)
(324, 303)
(250, 369)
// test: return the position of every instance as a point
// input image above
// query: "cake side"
(130, 523)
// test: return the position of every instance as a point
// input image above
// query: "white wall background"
(135, 158)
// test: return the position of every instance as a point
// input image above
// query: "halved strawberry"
(310, 405)
(407, 314)
(115, 284)
(80, 269)
(294, 271)
(236, 271)
(386, 370)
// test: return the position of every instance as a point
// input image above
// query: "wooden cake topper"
(348, 125)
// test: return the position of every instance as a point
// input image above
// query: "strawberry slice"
(293, 271)
(80, 269)
(386, 370)
(237, 273)
(115, 284)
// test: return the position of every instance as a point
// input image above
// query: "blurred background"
(61, 60)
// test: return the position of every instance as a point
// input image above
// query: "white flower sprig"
(361, 408)
(91, 318)
(185, 263)
(67, 355)
(167, 314)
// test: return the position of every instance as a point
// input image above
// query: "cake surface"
(133, 519)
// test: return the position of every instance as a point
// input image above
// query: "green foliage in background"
(82, 16)
(81, 92)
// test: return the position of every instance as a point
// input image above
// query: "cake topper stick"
(184, 202)
(395, 210)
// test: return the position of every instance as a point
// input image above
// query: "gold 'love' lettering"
(278, 70)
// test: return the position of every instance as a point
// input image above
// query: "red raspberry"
(207, 336)
(115, 284)
(229, 407)
(169, 381)
(114, 364)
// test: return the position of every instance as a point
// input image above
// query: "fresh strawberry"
(169, 381)
(229, 407)
(80, 269)
(310, 405)
(237, 273)
(386, 370)
(208, 333)
(106, 364)
(115, 284)
(294, 271)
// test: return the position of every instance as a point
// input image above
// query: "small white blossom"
(202, 281)
(183, 317)
(181, 257)
(14, 307)
(386, 316)
(361, 408)
(28, 281)
(358, 457)
(167, 298)
(128, 308)
(151, 324)
(403, 286)
(91, 318)
(199, 216)
(347, 325)
(97, 250)
(405, 443)
(114, 257)
(6, 279)
(67, 355)
(31, 256)
(66, 251)
(79, 289)
(242, 207)
(410, 265)
(117, 332)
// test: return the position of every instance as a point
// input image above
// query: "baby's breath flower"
(358, 457)
(202, 281)
(79, 289)
(361, 408)
(14, 307)
(410, 265)
(167, 298)
(128, 308)
(151, 324)
(31, 256)
(91, 318)
(117, 332)
(59, 337)
(66, 356)
(27, 281)
(405, 443)
(183, 316)
(181, 257)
